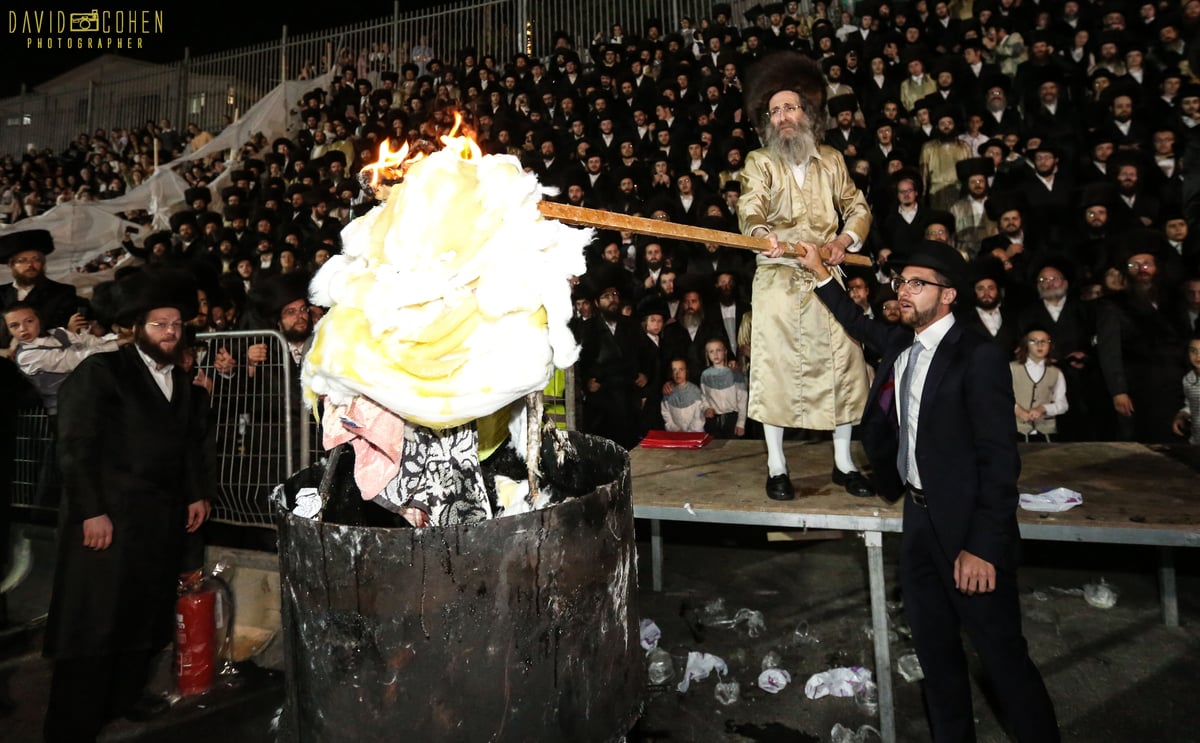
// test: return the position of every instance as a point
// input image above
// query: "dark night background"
(212, 26)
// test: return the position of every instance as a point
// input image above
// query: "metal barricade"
(263, 432)
(261, 429)
(32, 448)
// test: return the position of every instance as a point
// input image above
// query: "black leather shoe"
(854, 482)
(147, 708)
(780, 487)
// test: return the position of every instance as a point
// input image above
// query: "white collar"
(931, 336)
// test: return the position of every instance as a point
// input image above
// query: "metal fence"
(262, 433)
(214, 88)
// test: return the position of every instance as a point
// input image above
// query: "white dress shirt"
(930, 338)
(161, 374)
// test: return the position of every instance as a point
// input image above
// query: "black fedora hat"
(155, 288)
(12, 243)
(934, 255)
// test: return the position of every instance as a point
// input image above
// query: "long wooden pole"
(584, 217)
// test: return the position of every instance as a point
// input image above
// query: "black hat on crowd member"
(751, 14)
(1099, 193)
(1006, 201)
(938, 256)
(254, 166)
(938, 216)
(229, 193)
(840, 103)
(783, 70)
(1058, 261)
(162, 237)
(274, 158)
(197, 193)
(1099, 137)
(996, 80)
(206, 218)
(602, 277)
(914, 53)
(105, 304)
(995, 142)
(974, 166)
(652, 304)
(241, 175)
(153, 288)
(946, 110)
(292, 148)
(391, 76)
(12, 243)
(986, 267)
(723, 9)
(277, 292)
(237, 211)
(409, 67)
(179, 219)
(361, 82)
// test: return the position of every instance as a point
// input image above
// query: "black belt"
(917, 495)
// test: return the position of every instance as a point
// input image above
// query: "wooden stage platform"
(1131, 495)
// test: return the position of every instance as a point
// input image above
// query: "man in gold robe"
(805, 371)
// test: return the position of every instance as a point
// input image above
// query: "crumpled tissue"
(773, 680)
(651, 634)
(837, 682)
(308, 503)
(699, 665)
(1051, 501)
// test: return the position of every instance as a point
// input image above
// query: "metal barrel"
(521, 628)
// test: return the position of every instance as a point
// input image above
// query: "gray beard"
(796, 150)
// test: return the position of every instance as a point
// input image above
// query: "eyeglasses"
(1144, 265)
(914, 285)
(293, 311)
(27, 261)
(1038, 342)
(1049, 279)
(614, 294)
(787, 108)
(176, 326)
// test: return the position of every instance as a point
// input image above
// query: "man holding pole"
(937, 433)
(807, 373)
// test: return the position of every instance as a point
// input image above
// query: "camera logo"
(85, 22)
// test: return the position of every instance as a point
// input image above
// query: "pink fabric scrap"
(377, 435)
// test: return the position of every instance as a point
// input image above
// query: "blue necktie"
(904, 402)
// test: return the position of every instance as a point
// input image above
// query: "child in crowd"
(1039, 388)
(47, 358)
(653, 312)
(683, 409)
(725, 394)
(1191, 395)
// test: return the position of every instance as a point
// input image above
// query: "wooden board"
(1123, 485)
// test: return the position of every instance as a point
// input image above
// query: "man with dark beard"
(1139, 345)
(991, 316)
(807, 373)
(609, 362)
(694, 327)
(940, 156)
(137, 459)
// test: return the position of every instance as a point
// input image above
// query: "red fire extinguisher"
(199, 613)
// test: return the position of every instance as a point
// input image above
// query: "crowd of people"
(1041, 147)
(1046, 146)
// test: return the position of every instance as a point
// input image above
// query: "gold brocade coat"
(805, 372)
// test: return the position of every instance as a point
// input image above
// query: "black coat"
(54, 302)
(965, 444)
(128, 453)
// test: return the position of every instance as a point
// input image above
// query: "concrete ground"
(1115, 674)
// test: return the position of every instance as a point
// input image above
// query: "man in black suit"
(609, 362)
(136, 454)
(25, 253)
(948, 449)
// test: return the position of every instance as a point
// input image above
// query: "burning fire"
(451, 299)
(392, 165)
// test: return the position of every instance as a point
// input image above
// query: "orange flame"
(392, 164)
